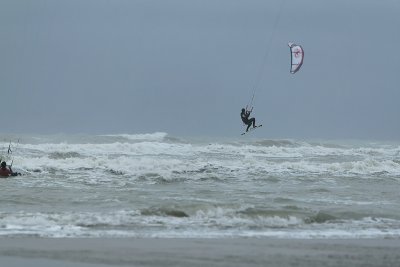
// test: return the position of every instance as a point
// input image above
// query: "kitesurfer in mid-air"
(6, 171)
(246, 120)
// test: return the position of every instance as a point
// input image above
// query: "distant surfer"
(6, 171)
(246, 120)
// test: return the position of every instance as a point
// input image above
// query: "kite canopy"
(297, 56)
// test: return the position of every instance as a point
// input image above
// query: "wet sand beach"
(198, 252)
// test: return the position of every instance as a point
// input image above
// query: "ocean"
(158, 185)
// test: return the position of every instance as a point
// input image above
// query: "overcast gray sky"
(186, 67)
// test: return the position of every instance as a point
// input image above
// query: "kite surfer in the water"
(6, 171)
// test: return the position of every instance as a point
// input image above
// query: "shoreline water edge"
(80, 252)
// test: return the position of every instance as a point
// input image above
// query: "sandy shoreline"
(198, 252)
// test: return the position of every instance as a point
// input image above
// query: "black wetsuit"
(245, 118)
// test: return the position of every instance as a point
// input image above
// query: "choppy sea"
(157, 185)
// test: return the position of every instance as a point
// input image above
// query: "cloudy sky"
(187, 67)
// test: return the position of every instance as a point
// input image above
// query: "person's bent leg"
(248, 126)
(253, 120)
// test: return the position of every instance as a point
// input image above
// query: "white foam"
(217, 223)
(158, 136)
(167, 157)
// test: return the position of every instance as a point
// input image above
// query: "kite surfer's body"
(6, 171)
(244, 115)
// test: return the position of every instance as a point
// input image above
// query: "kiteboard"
(251, 129)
